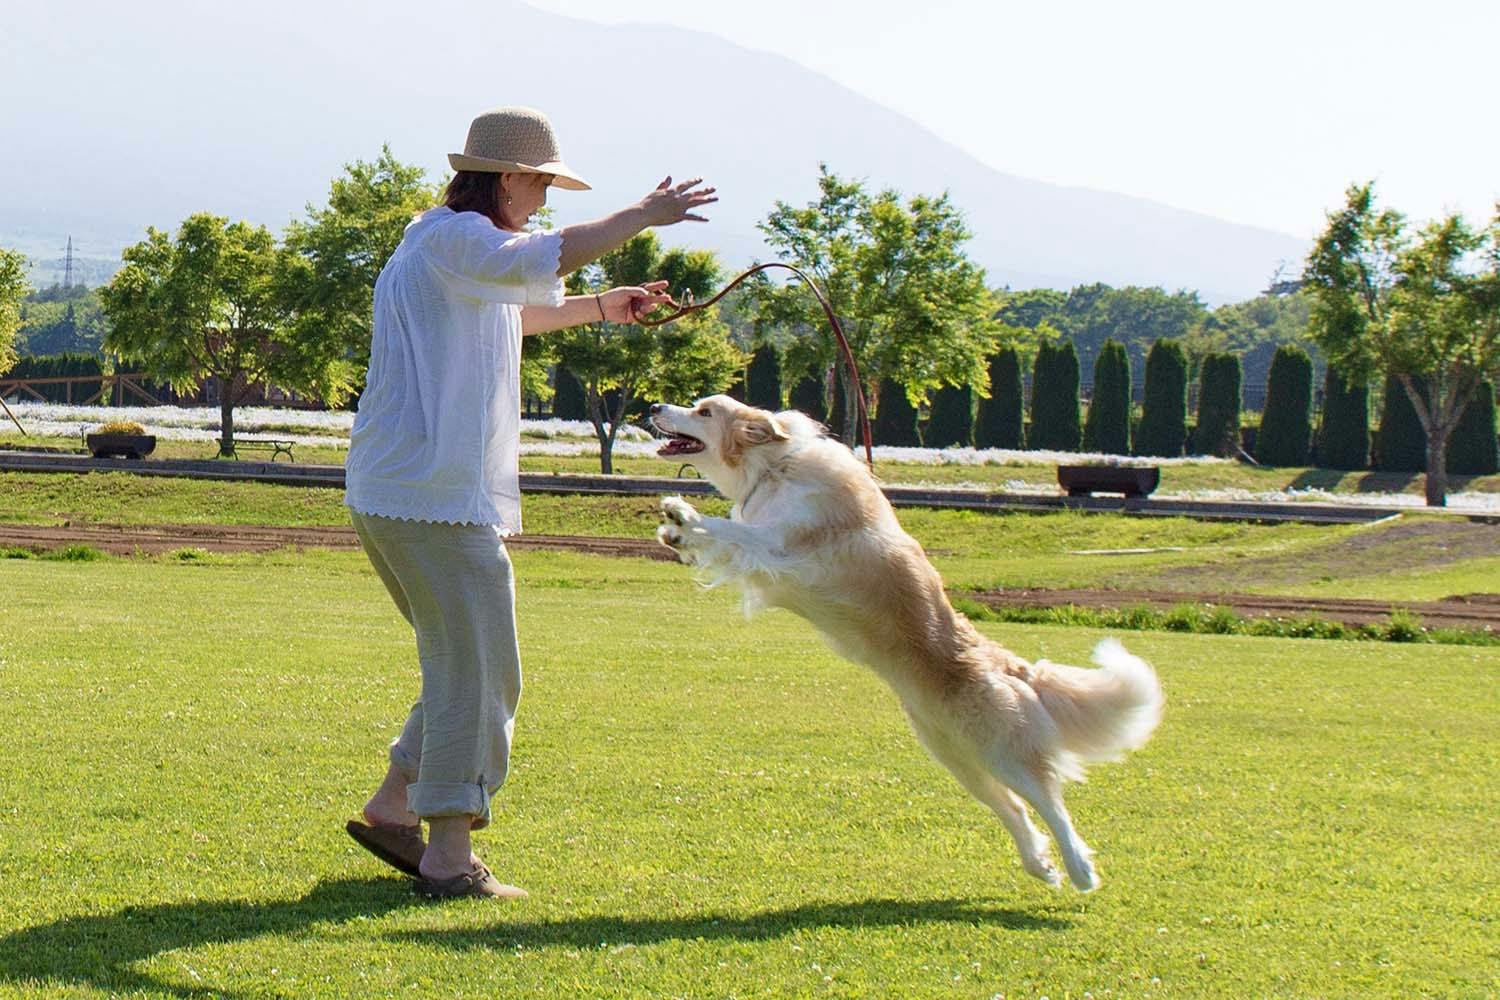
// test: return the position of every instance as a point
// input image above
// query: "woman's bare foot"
(449, 851)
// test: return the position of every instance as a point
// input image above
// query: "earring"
(507, 199)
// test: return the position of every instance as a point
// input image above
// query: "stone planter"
(1133, 481)
(120, 445)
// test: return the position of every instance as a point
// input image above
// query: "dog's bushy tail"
(1101, 713)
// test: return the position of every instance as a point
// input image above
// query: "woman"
(431, 476)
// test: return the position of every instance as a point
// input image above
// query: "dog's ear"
(760, 428)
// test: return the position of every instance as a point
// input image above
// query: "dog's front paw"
(678, 540)
(679, 512)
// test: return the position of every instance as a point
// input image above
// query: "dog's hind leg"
(1040, 786)
(971, 773)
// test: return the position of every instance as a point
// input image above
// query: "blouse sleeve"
(483, 262)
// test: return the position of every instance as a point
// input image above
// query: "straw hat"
(517, 140)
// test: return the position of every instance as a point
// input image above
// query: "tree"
(327, 278)
(950, 422)
(1054, 398)
(895, 420)
(1001, 422)
(913, 306)
(1163, 430)
(1218, 430)
(621, 365)
(568, 402)
(1425, 308)
(1472, 447)
(1285, 434)
(1107, 428)
(13, 289)
(1344, 436)
(204, 305)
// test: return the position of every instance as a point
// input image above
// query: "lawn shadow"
(592, 931)
(1363, 481)
(98, 950)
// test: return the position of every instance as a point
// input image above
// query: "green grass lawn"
(706, 807)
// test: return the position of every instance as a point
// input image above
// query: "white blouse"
(438, 429)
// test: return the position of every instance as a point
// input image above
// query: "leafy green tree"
(913, 306)
(1163, 430)
(1218, 430)
(950, 421)
(1107, 428)
(1472, 447)
(621, 365)
(13, 288)
(1344, 434)
(326, 281)
(1253, 329)
(204, 305)
(1054, 398)
(1001, 422)
(1424, 308)
(1285, 434)
(895, 420)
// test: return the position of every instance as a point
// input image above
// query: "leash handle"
(833, 321)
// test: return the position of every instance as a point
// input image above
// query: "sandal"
(400, 847)
(477, 881)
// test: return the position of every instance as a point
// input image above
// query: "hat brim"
(562, 176)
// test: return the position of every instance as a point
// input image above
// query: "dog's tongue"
(680, 445)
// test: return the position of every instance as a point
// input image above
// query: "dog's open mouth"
(680, 444)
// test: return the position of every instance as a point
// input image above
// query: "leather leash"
(833, 321)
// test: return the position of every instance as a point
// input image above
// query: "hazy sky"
(1259, 113)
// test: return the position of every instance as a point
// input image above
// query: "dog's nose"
(657, 408)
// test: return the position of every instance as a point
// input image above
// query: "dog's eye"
(704, 411)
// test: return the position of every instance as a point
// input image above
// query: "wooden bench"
(276, 446)
(1134, 481)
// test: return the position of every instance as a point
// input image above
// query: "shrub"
(807, 396)
(1002, 421)
(895, 420)
(1403, 445)
(1344, 437)
(1472, 447)
(1218, 430)
(1054, 398)
(120, 427)
(951, 420)
(1163, 429)
(1286, 424)
(1108, 426)
(763, 380)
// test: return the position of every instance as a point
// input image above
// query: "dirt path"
(1469, 611)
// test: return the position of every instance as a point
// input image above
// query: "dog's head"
(718, 435)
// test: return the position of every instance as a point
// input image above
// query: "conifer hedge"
(1344, 436)
(1163, 430)
(1054, 399)
(1107, 428)
(950, 422)
(1403, 444)
(1285, 434)
(1218, 430)
(895, 420)
(568, 400)
(1472, 449)
(1001, 422)
(763, 379)
(807, 396)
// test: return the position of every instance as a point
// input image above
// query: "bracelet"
(600, 303)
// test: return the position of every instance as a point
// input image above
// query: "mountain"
(138, 114)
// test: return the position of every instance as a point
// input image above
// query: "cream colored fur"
(811, 532)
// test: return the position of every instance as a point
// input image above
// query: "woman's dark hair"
(475, 191)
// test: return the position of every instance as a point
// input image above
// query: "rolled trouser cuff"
(432, 799)
(404, 761)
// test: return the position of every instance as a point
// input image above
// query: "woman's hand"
(669, 204)
(631, 302)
